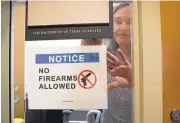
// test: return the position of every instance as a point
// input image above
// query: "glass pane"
(119, 68)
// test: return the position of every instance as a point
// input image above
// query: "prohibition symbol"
(87, 79)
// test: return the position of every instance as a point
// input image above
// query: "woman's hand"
(120, 82)
(119, 67)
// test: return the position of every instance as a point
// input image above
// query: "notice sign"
(66, 77)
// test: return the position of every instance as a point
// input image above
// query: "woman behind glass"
(120, 94)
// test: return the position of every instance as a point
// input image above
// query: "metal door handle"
(175, 114)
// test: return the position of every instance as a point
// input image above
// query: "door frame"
(136, 63)
(151, 62)
(5, 62)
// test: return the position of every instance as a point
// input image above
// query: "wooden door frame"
(151, 62)
(136, 62)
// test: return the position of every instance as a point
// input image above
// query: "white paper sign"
(66, 77)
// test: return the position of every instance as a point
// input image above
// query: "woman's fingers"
(121, 71)
(123, 82)
(118, 55)
(91, 42)
(114, 72)
(108, 69)
(114, 59)
(112, 85)
(110, 64)
(120, 82)
(111, 57)
(122, 56)
(117, 71)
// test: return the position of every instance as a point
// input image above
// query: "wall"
(5, 15)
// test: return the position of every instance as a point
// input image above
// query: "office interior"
(156, 63)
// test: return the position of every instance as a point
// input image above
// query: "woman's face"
(122, 25)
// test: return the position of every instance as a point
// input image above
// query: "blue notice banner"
(67, 58)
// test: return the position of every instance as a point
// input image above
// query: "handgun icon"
(83, 80)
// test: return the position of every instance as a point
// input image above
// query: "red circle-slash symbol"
(84, 81)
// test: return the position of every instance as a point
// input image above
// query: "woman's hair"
(119, 6)
(112, 45)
